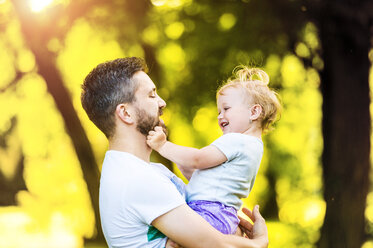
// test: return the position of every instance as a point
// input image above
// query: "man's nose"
(161, 102)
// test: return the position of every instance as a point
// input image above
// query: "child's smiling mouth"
(224, 124)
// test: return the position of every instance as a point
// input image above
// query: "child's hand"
(156, 139)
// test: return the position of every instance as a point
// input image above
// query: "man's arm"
(195, 232)
(185, 157)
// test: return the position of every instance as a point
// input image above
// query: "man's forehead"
(144, 82)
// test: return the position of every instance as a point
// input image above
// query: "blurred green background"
(51, 154)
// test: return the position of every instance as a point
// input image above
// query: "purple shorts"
(223, 218)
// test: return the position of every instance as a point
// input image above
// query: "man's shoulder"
(118, 161)
(161, 168)
(124, 169)
(121, 156)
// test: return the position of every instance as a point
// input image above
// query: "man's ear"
(124, 114)
(255, 112)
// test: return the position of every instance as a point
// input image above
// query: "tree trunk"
(9, 187)
(344, 30)
(36, 37)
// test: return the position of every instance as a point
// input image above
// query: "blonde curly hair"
(254, 82)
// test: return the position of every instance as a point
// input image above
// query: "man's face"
(148, 104)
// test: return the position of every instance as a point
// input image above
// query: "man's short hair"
(108, 85)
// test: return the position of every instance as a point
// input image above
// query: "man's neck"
(132, 142)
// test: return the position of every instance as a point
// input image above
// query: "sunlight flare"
(39, 5)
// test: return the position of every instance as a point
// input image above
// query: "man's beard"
(147, 123)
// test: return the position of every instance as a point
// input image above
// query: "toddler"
(224, 172)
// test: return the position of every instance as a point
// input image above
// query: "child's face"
(234, 111)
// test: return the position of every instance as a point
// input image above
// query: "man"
(138, 198)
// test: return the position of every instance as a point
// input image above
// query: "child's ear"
(255, 112)
(124, 114)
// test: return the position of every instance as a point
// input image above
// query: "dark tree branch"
(13, 83)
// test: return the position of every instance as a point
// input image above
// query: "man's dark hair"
(108, 85)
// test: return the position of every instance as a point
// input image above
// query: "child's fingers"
(158, 129)
(151, 133)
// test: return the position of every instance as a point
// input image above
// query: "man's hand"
(172, 244)
(257, 230)
(156, 139)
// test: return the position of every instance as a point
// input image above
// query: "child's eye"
(226, 108)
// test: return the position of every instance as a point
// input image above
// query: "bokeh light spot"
(227, 21)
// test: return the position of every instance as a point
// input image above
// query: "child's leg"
(221, 217)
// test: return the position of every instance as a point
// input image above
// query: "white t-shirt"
(232, 180)
(132, 194)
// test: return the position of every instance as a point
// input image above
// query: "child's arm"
(187, 157)
(187, 172)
